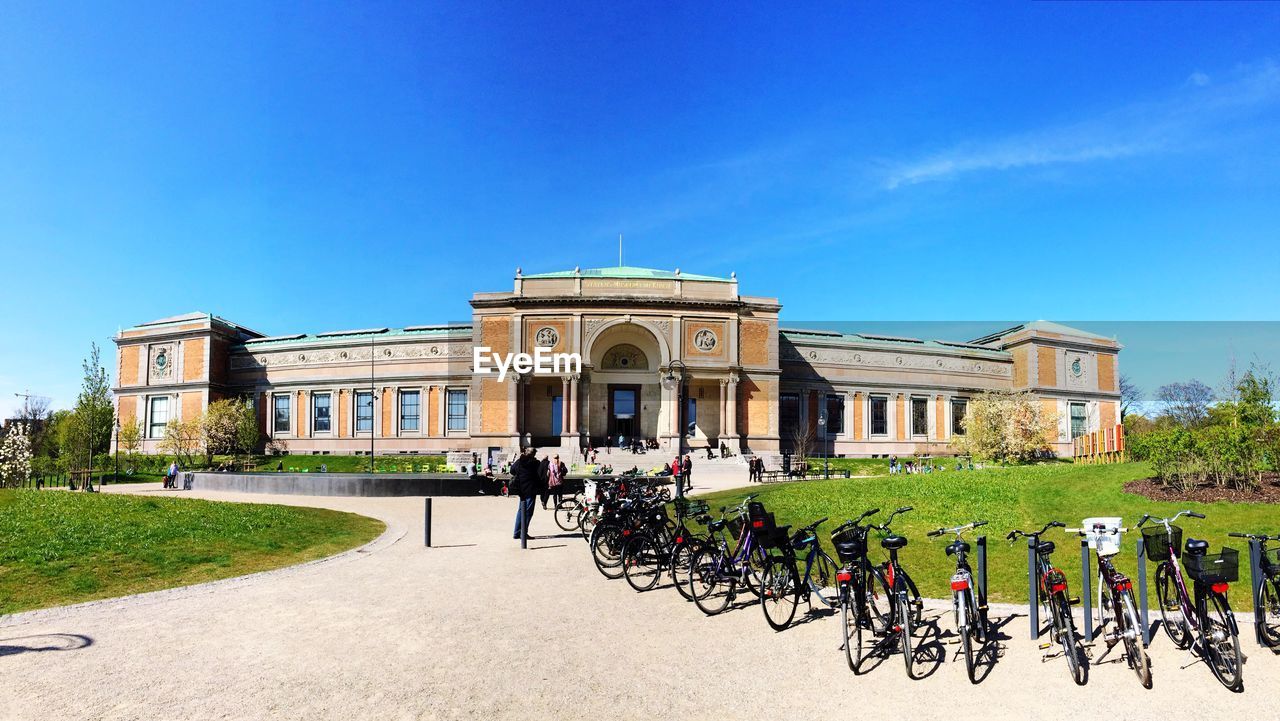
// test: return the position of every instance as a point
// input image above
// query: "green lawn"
(58, 548)
(353, 464)
(1024, 497)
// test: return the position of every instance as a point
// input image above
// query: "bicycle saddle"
(893, 543)
(1196, 547)
(958, 545)
(716, 525)
(1045, 547)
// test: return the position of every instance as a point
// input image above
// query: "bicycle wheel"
(606, 549)
(756, 563)
(917, 606)
(905, 615)
(964, 628)
(851, 623)
(567, 515)
(779, 593)
(712, 590)
(1127, 623)
(1221, 644)
(977, 619)
(641, 562)
(1171, 617)
(822, 580)
(588, 521)
(1269, 602)
(879, 608)
(681, 562)
(1070, 642)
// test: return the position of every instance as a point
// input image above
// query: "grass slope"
(1024, 497)
(353, 464)
(58, 548)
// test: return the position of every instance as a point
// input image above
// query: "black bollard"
(1033, 594)
(426, 526)
(524, 526)
(1086, 588)
(1142, 591)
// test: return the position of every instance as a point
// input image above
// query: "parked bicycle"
(717, 573)
(1204, 612)
(1052, 596)
(1268, 596)
(862, 606)
(1116, 604)
(783, 586)
(905, 607)
(968, 601)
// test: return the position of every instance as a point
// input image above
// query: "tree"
(35, 415)
(1007, 426)
(88, 431)
(230, 427)
(247, 434)
(802, 439)
(15, 456)
(1186, 403)
(183, 439)
(1130, 396)
(130, 437)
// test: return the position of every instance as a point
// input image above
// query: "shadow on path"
(44, 642)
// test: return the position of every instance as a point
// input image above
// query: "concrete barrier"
(344, 484)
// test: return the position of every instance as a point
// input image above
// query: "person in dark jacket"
(686, 470)
(544, 473)
(524, 482)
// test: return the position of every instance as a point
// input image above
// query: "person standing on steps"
(524, 483)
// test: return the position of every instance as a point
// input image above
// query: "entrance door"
(624, 413)
(557, 415)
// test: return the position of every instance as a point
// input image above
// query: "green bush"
(1226, 456)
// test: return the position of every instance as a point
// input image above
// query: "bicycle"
(782, 586)
(968, 602)
(1204, 612)
(1051, 594)
(905, 607)
(861, 605)
(717, 573)
(1268, 596)
(1105, 539)
(658, 546)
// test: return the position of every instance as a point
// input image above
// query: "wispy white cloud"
(1187, 116)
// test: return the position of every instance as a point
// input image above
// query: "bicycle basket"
(1221, 567)
(755, 510)
(735, 527)
(1156, 543)
(851, 545)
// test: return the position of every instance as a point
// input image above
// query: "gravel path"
(477, 628)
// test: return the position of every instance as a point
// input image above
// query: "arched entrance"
(627, 400)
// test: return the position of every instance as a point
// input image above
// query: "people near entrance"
(724, 450)
(556, 473)
(587, 452)
(544, 473)
(686, 468)
(676, 473)
(710, 453)
(755, 469)
(526, 485)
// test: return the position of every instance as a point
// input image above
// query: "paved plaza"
(478, 628)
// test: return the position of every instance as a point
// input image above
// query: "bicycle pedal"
(1043, 646)
(1074, 601)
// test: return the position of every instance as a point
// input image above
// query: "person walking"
(524, 482)
(556, 473)
(686, 468)
(544, 473)
(675, 473)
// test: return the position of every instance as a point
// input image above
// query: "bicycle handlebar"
(1167, 521)
(1255, 536)
(850, 524)
(957, 529)
(1051, 524)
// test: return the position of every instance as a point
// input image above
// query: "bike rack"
(1255, 583)
(1143, 607)
(982, 568)
(1086, 589)
(1033, 595)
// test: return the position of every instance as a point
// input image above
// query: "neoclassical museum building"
(666, 356)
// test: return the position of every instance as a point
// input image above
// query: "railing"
(1101, 446)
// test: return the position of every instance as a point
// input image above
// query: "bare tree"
(802, 443)
(1130, 396)
(1186, 403)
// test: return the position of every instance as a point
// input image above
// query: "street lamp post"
(116, 473)
(676, 382)
(373, 393)
(822, 428)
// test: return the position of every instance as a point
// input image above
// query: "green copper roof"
(630, 272)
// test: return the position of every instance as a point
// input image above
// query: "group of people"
(755, 469)
(531, 479)
(681, 469)
(171, 476)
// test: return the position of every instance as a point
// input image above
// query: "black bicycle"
(783, 586)
(905, 607)
(1268, 596)
(862, 606)
(967, 600)
(1052, 595)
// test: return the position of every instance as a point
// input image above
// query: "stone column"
(563, 430)
(723, 409)
(573, 404)
(732, 390)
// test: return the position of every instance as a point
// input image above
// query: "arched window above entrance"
(624, 356)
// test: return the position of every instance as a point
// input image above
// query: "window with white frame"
(364, 411)
(280, 416)
(159, 416)
(456, 403)
(879, 415)
(321, 415)
(1079, 419)
(959, 409)
(835, 414)
(919, 416)
(410, 413)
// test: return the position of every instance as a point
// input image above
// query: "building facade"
(667, 357)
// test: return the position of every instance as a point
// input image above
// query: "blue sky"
(335, 165)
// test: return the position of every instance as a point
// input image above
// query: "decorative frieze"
(905, 361)
(325, 356)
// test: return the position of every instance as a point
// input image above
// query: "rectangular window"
(919, 416)
(457, 403)
(835, 414)
(320, 416)
(691, 415)
(280, 423)
(879, 416)
(409, 410)
(364, 411)
(959, 409)
(1079, 420)
(788, 414)
(159, 416)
